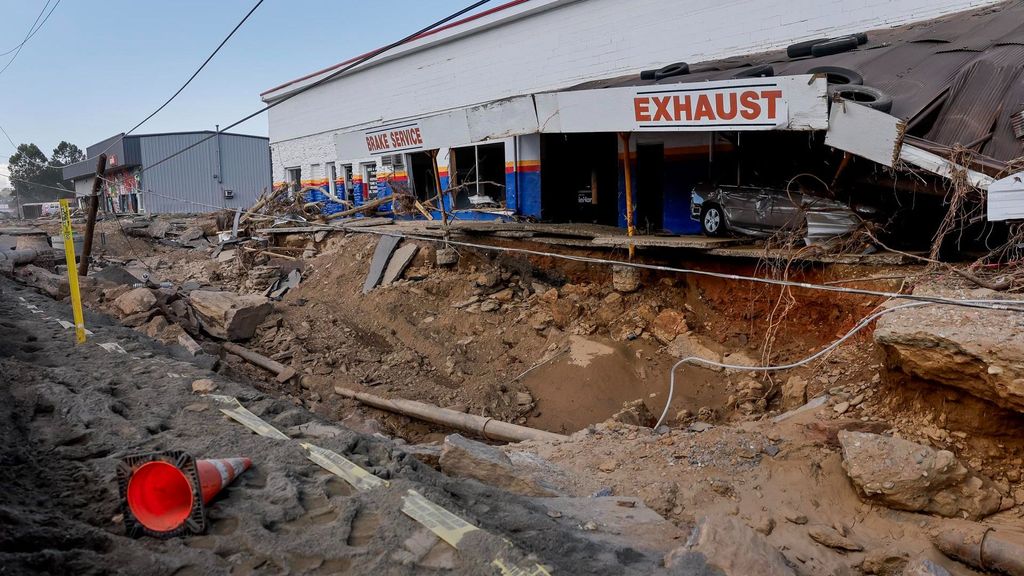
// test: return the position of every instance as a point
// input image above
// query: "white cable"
(696, 359)
(990, 304)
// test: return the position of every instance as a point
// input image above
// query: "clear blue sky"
(97, 68)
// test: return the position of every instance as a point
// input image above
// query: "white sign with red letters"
(774, 103)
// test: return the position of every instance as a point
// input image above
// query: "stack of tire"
(842, 82)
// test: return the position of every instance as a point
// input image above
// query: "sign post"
(69, 255)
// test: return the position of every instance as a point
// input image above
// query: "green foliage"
(33, 176)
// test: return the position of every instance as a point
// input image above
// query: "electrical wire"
(698, 360)
(187, 82)
(327, 78)
(31, 30)
(30, 35)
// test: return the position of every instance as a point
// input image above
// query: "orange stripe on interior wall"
(524, 166)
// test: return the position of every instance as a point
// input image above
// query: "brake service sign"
(776, 103)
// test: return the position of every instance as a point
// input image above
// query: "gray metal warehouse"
(227, 171)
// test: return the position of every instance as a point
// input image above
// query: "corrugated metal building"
(227, 171)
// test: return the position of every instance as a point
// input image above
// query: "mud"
(68, 413)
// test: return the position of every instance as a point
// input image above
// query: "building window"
(332, 178)
(294, 176)
(478, 176)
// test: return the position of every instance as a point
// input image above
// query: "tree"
(32, 176)
(66, 153)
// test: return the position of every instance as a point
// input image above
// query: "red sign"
(404, 138)
(746, 105)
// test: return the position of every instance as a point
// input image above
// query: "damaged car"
(763, 211)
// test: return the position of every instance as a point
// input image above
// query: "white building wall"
(549, 44)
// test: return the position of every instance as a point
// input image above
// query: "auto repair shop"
(544, 138)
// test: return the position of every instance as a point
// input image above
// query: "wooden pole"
(90, 221)
(440, 194)
(628, 173)
(485, 427)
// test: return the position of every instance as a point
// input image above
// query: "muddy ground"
(533, 340)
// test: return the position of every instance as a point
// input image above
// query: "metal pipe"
(283, 373)
(485, 427)
(981, 546)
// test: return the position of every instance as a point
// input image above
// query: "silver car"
(762, 211)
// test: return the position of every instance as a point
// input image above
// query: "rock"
(155, 327)
(429, 454)
(158, 228)
(978, 351)
(885, 561)
(635, 413)
(739, 359)
(925, 567)
(181, 314)
(489, 306)
(828, 536)
(190, 234)
(227, 315)
(908, 476)
(505, 295)
(467, 458)
(550, 295)
(524, 399)
(563, 312)
(203, 386)
(687, 344)
(608, 466)
(794, 392)
(446, 256)
(732, 548)
(794, 517)
(55, 285)
(625, 278)
(399, 261)
(488, 279)
(667, 325)
(841, 407)
(135, 301)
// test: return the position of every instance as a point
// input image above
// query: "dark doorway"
(423, 176)
(650, 187)
(579, 178)
(478, 176)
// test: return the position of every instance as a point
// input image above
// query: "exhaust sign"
(776, 103)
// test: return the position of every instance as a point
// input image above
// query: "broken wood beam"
(485, 427)
(358, 209)
(282, 372)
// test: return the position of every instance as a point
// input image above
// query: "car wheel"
(838, 74)
(834, 46)
(712, 221)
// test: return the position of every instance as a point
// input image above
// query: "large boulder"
(979, 351)
(908, 476)
(135, 301)
(467, 458)
(227, 315)
(731, 547)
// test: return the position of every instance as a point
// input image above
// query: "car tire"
(759, 71)
(648, 74)
(801, 49)
(862, 38)
(838, 75)
(864, 95)
(677, 69)
(712, 220)
(835, 46)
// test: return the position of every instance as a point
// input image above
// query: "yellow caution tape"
(446, 525)
(343, 468)
(253, 422)
(513, 570)
(69, 257)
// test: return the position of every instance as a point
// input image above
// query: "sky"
(97, 68)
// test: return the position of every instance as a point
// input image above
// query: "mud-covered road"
(68, 414)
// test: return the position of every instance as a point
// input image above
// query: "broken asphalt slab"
(381, 255)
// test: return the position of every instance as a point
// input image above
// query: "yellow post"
(628, 173)
(69, 256)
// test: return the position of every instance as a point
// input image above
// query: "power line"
(31, 30)
(187, 82)
(327, 78)
(31, 33)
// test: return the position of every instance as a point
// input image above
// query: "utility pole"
(90, 221)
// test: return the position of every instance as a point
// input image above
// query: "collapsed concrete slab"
(731, 547)
(227, 315)
(979, 351)
(467, 458)
(908, 476)
(53, 284)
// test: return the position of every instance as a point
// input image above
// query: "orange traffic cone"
(164, 494)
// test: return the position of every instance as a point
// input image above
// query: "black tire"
(801, 49)
(648, 74)
(865, 95)
(838, 75)
(716, 225)
(759, 71)
(862, 38)
(677, 69)
(834, 46)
